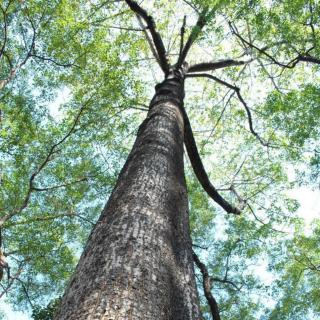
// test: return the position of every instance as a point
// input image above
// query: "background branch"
(237, 91)
(207, 288)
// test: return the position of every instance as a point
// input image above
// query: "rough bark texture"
(138, 261)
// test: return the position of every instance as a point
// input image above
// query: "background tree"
(278, 83)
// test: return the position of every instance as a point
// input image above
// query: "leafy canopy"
(76, 78)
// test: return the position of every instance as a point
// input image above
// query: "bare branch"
(227, 281)
(193, 36)
(66, 65)
(59, 186)
(237, 91)
(149, 40)
(306, 57)
(207, 288)
(135, 7)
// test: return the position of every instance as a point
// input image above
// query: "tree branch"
(290, 65)
(207, 288)
(60, 185)
(308, 58)
(25, 290)
(149, 40)
(5, 28)
(191, 6)
(135, 7)
(45, 218)
(200, 171)
(182, 31)
(66, 65)
(237, 91)
(210, 66)
(11, 280)
(193, 36)
(47, 159)
(226, 281)
(14, 70)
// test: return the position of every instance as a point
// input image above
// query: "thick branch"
(237, 91)
(134, 6)
(308, 58)
(207, 288)
(200, 171)
(210, 66)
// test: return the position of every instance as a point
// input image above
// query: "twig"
(66, 65)
(226, 281)
(193, 36)
(60, 185)
(191, 5)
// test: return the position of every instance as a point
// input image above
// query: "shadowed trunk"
(138, 260)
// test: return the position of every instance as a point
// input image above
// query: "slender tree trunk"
(138, 260)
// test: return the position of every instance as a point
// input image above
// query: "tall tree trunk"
(138, 260)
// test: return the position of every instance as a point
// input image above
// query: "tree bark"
(138, 261)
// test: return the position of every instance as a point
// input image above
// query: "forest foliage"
(76, 78)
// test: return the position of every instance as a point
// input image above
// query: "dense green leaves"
(75, 81)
